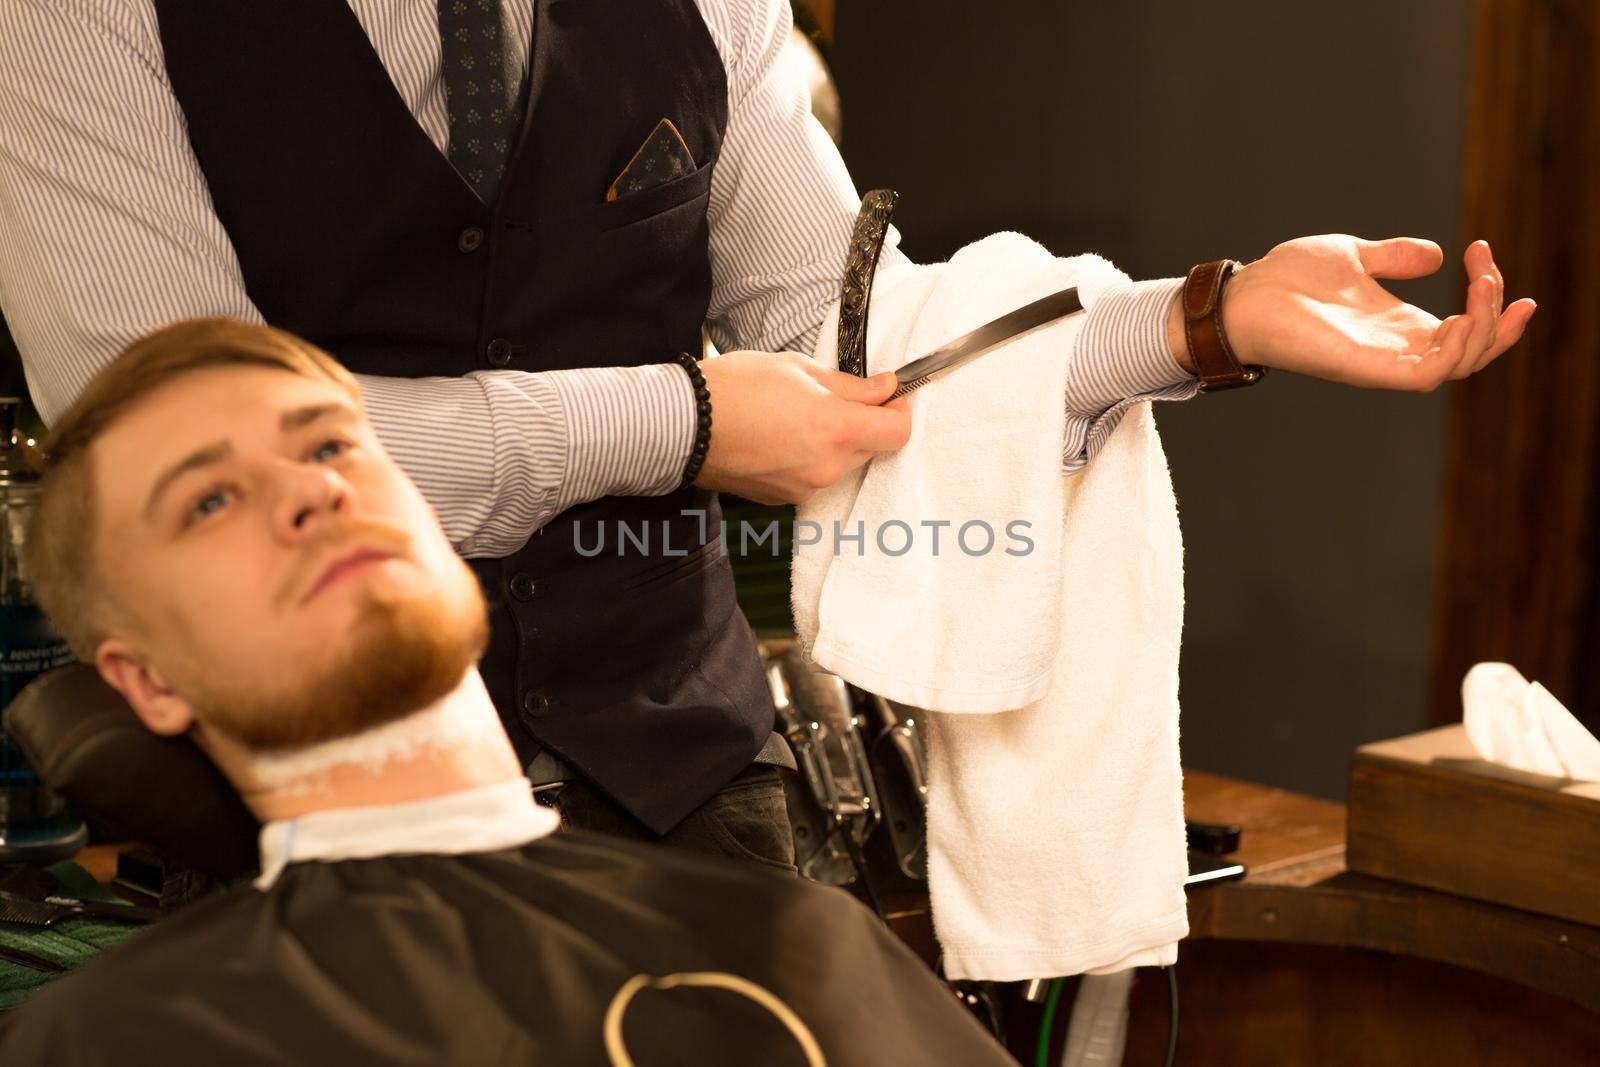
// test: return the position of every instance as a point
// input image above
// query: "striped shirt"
(107, 231)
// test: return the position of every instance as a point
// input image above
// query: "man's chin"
(390, 583)
(400, 653)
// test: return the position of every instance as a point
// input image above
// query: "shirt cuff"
(629, 430)
(1122, 351)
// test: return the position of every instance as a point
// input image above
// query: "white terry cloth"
(1055, 807)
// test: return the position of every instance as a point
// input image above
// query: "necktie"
(482, 117)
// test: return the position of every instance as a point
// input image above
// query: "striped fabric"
(1121, 358)
(107, 231)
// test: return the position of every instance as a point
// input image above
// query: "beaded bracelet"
(702, 412)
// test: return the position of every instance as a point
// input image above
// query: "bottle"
(35, 824)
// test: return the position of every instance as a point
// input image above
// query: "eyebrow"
(214, 453)
(305, 416)
(218, 451)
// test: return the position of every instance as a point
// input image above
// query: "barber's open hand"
(1314, 306)
(784, 426)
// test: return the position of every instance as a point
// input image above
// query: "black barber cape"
(508, 957)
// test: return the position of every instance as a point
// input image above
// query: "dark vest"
(353, 231)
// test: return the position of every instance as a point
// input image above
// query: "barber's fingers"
(1480, 264)
(867, 424)
(867, 429)
(873, 390)
(1513, 321)
(1483, 316)
(1479, 258)
(1399, 257)
(1448, 359)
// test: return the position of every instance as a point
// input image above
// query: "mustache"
(337, 539)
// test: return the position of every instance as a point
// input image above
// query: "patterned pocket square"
(661, 158)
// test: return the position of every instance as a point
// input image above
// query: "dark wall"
(1163, 134)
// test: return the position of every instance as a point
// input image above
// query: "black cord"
(859, 862)
(1172, 999)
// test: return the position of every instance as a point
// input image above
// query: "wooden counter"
(1304, 962)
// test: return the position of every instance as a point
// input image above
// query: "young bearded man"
(222, 535)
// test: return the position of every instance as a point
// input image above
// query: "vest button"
(523, 587)
(499, 352)
(535, 703)
(471, 239)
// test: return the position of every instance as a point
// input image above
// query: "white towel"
(1055, 813)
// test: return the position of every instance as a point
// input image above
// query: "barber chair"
(837, 809)
(88, 746)
(859, 803)
(897, 749)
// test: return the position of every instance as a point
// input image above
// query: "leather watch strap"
(1214, 359)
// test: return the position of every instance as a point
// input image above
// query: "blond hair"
(59, 556)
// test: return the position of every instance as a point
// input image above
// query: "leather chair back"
(87, 745)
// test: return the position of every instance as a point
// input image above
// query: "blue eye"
(329, 449)
(210, 502)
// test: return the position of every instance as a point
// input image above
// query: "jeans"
(747, 820)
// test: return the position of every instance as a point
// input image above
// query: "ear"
(127, 670)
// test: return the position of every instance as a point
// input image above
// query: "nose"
(310, 496)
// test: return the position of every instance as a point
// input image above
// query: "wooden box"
(1426, 810)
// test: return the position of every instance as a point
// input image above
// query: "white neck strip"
(483, 819)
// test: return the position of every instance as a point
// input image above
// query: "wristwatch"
(1214, 361)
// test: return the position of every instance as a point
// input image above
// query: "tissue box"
(1427, 810)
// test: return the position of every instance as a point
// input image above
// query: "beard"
(405, 652)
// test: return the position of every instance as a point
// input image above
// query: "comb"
(28, 959)
(27, 912)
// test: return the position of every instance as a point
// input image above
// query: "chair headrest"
(87, 744)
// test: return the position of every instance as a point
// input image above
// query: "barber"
(440, 204)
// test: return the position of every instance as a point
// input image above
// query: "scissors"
(860, 268)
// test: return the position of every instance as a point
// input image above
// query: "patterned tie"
(482, 117)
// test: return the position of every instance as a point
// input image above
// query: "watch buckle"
(1249, 375)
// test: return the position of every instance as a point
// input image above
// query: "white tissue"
(1517, 723)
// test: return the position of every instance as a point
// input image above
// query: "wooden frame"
(1517, 574)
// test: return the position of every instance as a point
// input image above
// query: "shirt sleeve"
(782, 208)
(107, 232)
(1121, 358)
(782, 203)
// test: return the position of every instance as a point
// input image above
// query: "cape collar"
(484, 819)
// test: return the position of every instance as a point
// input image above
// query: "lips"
(343, 564)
